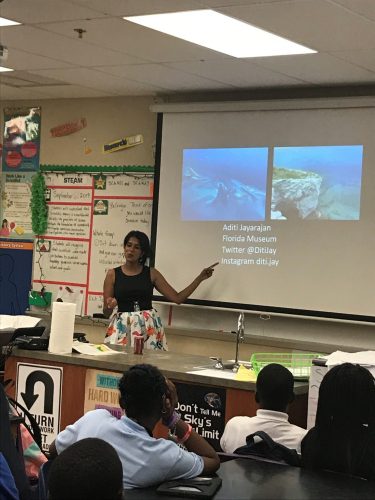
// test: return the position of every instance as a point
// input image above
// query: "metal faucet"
(240, 337)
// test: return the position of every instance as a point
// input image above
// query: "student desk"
(250, 479)
(239, 396)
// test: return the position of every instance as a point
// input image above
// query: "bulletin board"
(88, 216)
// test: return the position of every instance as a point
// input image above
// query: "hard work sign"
(39, 390)
(101, 392)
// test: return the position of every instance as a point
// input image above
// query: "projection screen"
(283, 199)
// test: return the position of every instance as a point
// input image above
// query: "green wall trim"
(96, 168)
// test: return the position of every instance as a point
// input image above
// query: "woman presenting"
(128, 291)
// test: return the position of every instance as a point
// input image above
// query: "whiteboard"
(88, 218)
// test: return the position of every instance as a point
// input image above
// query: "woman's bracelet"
(186, 436)
(172, 421)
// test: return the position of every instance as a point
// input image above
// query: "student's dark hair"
(346, 399)
(343, 437)
(144, 243)
(142, 388)
(89, 469)
(274, 387)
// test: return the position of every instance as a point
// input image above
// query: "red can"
(139, 343)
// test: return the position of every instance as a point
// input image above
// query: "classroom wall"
(109, 119)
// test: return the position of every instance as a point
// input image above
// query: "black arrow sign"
(29, 397)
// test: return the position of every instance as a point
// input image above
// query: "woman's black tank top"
(130, 289)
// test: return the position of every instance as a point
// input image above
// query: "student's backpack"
(10, 452)
(267, 448)
(29, 438)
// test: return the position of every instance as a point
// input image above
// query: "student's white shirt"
(274, 423)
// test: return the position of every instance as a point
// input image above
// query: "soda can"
(138, 344)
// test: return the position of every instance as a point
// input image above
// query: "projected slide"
(282, 198)
(317, 182)
(224, 184)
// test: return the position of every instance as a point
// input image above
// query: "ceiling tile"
(61, 48)
(211, 4)
(71, 91)
(21, 60)
(128, 38)
(242, 74)
(363, 7)
(115, 57)
(97, 80)
(13, 93)
(163, 76)
(319, 24)
(362, 58)
(41, 11)
(139, 7)
(318, 69)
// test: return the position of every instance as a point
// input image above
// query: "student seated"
(343, 438)
(274, 392)
(88, 470)
(146, 396)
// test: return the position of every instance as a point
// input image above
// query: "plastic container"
(298, 363)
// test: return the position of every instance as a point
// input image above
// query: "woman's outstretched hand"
(207, 272)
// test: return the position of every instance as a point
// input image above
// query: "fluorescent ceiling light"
(3, 69)
(7, 22)
(221, 33)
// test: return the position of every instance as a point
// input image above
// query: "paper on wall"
(73, 296)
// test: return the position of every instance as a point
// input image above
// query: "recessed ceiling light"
(7, 22)
(3, 69)
(221, 33)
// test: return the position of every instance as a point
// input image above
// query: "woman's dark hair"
(141, 391)
(144, 243)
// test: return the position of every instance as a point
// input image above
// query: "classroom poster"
(101, 392)
(88, 218)
(15, 205)
(204, 408)
(21, 139)
(39, 388)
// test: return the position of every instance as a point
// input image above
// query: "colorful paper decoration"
(68, 128)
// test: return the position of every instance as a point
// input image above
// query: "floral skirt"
(127, 325)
